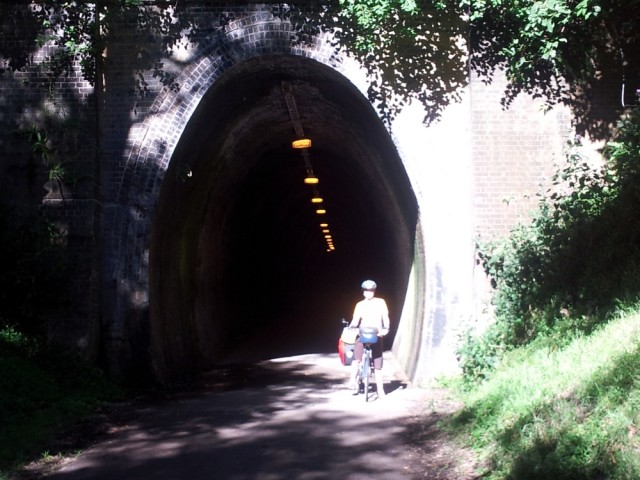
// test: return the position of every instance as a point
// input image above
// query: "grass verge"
(41, 393)
(570, 413)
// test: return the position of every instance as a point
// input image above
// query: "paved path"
(290, 418)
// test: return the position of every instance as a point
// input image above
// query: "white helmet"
(369, 285)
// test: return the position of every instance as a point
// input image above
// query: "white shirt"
(371, 312)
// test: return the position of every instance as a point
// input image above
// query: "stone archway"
(251, 261)
(186, 181)
(146, 224)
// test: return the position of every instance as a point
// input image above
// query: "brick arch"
(153, 142)
(249, 37)
(152, 145)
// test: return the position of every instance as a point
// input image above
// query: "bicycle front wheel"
(366, 372)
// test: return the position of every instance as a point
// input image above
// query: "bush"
(575, 262)
(41, 391)
(34, 271)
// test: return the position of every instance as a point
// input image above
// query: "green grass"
(570, 413)
(41, 393)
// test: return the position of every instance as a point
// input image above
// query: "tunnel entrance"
(239, 265)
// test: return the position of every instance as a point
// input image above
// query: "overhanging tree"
(557, 50)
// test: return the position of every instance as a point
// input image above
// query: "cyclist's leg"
(355, 365)
(380, 383)
(377, 361)
(366, 372)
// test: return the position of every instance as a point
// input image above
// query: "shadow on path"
(289, 418)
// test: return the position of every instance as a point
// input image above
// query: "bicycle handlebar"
(381, 332)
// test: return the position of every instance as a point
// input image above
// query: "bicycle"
(368, 336)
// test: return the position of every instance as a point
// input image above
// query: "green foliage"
(551, 47)
(78, 32)
(478, 355)
(41, 392)
(566, 413)
(576, 261)
(54, 144)
(15, 343)
(411, 49)
(554, 49)
(42, 147)
(34, 270)
(71, 31)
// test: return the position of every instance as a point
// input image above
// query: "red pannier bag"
(345, 348)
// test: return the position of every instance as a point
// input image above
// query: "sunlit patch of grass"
(570, 413)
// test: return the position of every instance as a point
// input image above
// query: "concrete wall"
(475, 173)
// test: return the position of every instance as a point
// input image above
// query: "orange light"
(301, 143)
(311, 180)
(325, 230)
(321, 211)
(316, 200)
(324, 225)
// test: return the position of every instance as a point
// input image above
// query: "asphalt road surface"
(289, 418)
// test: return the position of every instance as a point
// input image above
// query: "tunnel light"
(328, 237)
(301, 143)
(325, 230)
(321, 211)
(316, 200)
(324, 225)
(311, 179)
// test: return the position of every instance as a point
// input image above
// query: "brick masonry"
(121, 164)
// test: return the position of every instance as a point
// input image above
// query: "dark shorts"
(376, 349)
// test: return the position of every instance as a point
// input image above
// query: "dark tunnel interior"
(240, 266)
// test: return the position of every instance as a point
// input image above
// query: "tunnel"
(239, 265)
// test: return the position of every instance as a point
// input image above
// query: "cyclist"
(370, 312)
